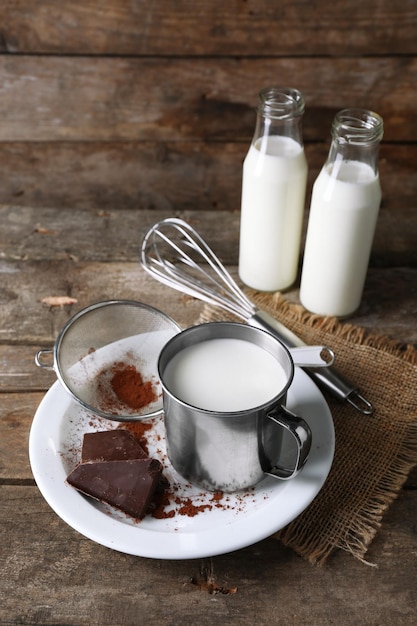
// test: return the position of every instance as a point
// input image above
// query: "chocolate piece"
(111, 445)
(126, 485)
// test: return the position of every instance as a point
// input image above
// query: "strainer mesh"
(117, 332)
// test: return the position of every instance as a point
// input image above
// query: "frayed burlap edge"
(307, 540)
(306, 535)
(297, 314)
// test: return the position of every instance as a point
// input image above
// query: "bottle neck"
(356, 135)
(279, 114)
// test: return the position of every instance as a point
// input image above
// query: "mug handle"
(301, 432)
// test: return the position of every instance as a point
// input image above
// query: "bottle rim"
(281, 102)
(357, 126)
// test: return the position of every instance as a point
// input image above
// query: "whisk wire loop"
(203, 276)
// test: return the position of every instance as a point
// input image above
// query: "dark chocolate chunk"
(111, 445)
(126, 485)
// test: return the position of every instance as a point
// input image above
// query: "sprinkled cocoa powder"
(138, 429)
(161, 506)
(188, 508)
(168, 504)
(173, 499)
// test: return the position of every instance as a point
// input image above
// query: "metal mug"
(231, 450)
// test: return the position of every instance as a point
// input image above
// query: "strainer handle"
(39, 356)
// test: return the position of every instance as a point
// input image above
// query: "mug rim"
(249, 330)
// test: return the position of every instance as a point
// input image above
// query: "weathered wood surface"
(44, 233)
(52, 575)
(139, 104)
(169, 176)
(184, 27)
(110, 99)
(49, 573)
(114, 115)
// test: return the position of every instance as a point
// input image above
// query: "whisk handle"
(328, 378)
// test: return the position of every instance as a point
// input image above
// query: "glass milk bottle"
(344, 209)
(273, 193)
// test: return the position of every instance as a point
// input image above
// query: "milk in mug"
(273, 196)
(225, 375)
(343, 215)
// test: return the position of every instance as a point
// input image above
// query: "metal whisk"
(176, 255)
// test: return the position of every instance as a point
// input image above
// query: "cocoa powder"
(122, 387)
(130, 388)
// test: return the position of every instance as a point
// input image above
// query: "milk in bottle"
(273, 193)
(343, 214)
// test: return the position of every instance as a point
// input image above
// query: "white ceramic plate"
(240, 520)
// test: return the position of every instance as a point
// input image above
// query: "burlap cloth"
(373, 454)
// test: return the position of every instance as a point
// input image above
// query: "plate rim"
(183, 543)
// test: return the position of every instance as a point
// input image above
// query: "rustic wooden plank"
(47, 233)
(196, 28)
(111, 99)
(24, 319)
(16, 415)
(386, 291)
(131, 175)
(51, 574)
(19, 373)
(168, 176)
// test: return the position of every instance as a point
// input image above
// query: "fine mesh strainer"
(116, 335)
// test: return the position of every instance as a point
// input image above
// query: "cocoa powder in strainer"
(122, 383)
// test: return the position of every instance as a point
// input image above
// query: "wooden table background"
(115, 114)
